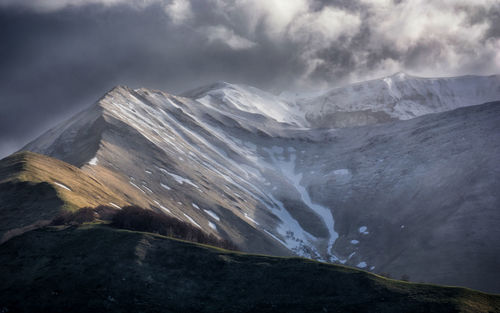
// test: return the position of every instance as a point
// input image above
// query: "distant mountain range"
(397, 175)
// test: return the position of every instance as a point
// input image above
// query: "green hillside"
(97, 268)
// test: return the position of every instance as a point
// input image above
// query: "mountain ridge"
(328, 194)
(396, 97)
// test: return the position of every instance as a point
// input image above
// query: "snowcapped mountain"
(397, 97)
(238, 99)
(416, 197)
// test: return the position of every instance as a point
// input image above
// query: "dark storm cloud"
(53, 64)
(58, 56)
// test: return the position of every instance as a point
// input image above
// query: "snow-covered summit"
(399, 96)
(238, 98)
(396, 97)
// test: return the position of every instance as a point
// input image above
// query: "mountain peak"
(118, 89)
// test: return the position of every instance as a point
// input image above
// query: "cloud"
(430, 37)
(179, 11)
(332, 41)
(324, 26)
(59, 55)
(274, 16)
(55, 5)
(222, 35)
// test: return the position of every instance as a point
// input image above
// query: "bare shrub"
(136, 218)
(78, 217)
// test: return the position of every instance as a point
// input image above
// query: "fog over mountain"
(57, 55)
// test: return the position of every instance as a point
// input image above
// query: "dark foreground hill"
(97, 268)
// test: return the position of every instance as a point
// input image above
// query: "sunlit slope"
(34, 188)
(96, 268)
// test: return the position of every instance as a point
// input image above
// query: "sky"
(57, 57)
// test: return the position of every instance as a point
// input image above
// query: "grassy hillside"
(96, 268)
(34, 188)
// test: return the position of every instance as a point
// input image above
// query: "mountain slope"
(416, 197)
(242, 99)
(397, 97)
(35, 188)
(97, 268)
(156, 153)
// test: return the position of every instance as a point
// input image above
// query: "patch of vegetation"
(136, 218)
(78, 217)
(85, 215)
(98, 268)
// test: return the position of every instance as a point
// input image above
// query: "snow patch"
(179, 179)
(354, 242)
(341, 172)
(63, 186)
(93, 161)
(287, 169)
(249, 218)
(363, 230)
(212, 214)
(361, 264)
(195, 206)
(115, 205)
(165, 186)
(191, 220)
(212, 225)
(162, 207)
(132, 183)
(284, 243)
(296, 238)
(146, 187)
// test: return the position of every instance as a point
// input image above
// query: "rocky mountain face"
(402, 195)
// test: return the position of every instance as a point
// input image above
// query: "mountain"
(397, 97)
(415, 197)
(99, 268)
(34, 189)
(238, 99)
